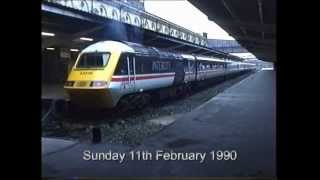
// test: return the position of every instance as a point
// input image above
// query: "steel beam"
(257, 40)
(152, 39)
(206, 53)
(267, 28)
(87, 31)
(175, 47)
(60, 11)
(78, 34)
(260, 14)
(233, 15)
(193, 51)
(72, 10)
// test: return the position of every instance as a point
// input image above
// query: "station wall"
(55, 68)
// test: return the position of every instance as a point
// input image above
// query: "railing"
(231, 49)
(118, 11)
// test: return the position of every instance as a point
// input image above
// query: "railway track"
(130, 127)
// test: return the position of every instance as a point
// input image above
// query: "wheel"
(144, 101)
(123, 105)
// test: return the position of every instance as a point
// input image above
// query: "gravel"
(130, 128)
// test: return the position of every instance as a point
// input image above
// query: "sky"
(183, 13)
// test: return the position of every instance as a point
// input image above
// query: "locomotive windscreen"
(93, 60)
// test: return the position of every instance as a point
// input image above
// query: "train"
(108, 74)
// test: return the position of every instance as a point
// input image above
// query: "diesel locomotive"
(108, 74)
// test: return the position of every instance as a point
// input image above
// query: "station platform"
(51, 145)
(241, 119)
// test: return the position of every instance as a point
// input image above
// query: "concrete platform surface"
(241, 119)
(53, 145)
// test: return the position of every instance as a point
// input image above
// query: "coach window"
(191, 66)
(214, 66)
(200, 66)
(186, 65)
(204, 66)
(161, 66)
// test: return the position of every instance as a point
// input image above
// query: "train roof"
(145, 50)
(125, 46)
(210, 59)
(107, 46)
(188, 56)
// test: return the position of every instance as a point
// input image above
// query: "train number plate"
(82, 83)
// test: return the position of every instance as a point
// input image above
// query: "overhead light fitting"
(47, 34)
(86, 39)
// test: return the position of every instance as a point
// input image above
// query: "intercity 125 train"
(108, 74)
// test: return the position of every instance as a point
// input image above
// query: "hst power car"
(110, 73)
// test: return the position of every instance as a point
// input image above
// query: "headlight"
(98, 84)
(69, 83)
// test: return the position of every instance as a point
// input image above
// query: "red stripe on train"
(117, 79)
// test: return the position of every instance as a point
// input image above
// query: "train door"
(126, 68)
(179, 70)
(196, 64)
(186, 65)
(131, 80)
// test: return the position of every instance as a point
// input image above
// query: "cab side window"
(122, 67)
